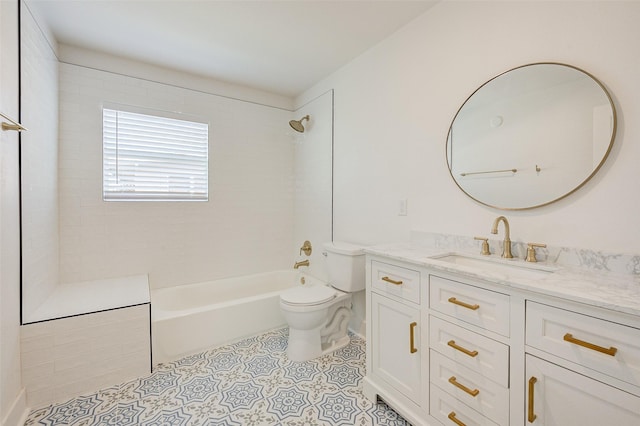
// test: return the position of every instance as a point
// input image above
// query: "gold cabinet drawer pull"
(452, 417)
(531, 417)
(412, 346)
(609, 351)
(459, 385)
(389, 280)
(472, 354)
(464, 305)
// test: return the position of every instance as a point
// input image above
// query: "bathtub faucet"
(301, 263)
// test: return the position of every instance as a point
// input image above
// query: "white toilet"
(317, 314)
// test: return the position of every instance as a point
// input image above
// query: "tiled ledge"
(86, 336)
(66, 357)
(81, 298)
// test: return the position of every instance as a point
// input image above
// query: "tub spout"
(301, 263)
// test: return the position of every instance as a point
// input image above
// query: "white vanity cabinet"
(585, 370)
(394, 353)
(447, 347)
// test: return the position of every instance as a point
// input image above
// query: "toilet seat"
(308, 295)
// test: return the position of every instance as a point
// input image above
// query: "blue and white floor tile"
(247, 383)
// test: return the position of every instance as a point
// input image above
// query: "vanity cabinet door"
(557, 396)
(396, 345)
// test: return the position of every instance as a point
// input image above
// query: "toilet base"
(307, 342)
(327, 348)
(304, 345)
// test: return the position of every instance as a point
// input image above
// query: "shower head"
(297, 124)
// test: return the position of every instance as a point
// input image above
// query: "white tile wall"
(12, 401)
(67, 357)
(313, 168)
(245, 227)
(312, 171)
(39, 155)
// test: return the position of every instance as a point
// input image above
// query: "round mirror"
(531, 136)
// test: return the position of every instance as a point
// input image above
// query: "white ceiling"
(283, 47)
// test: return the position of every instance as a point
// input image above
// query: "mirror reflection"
(531, 136)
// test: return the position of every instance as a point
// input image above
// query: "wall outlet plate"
(402, 207)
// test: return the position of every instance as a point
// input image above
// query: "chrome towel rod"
(489, 171)
(13, 125)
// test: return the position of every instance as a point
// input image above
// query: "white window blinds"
(148, 157)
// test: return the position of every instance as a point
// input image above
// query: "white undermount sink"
(516, 268)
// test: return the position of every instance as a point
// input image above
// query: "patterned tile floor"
(247, 383)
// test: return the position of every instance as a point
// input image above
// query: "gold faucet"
(506, 253)
(301, 263)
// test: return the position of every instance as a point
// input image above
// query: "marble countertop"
(617, 292)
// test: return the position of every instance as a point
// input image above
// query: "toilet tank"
(345, 266)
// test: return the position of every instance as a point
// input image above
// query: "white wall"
(39, 156)
(394, 105)
(244, 228)
(12, 400)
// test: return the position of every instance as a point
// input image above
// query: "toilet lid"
(308, 295)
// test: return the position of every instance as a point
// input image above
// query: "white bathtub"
(193, 318)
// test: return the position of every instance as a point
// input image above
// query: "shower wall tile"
(245, 227)
(312, 185)
(39, 169)
(66, 357)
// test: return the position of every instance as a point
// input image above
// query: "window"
(150, 157)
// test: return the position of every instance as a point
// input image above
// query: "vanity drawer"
(484, 308)
(395, 280)
(479, 353)
(471, 388)
(450, 411)
(601, 345)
